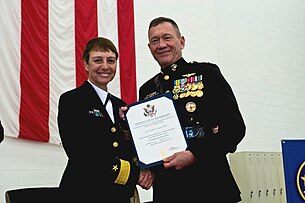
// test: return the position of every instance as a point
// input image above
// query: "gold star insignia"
(115, 168)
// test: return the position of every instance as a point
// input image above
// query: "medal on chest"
(190, 85)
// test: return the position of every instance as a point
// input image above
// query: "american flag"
(41, 57)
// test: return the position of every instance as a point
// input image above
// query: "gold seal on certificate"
(155, 129)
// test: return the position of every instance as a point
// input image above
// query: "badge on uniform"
(194, 132)
(151, 95)
(190, 106)
(191, 85)
(96, 113)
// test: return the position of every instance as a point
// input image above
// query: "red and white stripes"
(42, 57)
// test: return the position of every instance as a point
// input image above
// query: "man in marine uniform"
(209, 115)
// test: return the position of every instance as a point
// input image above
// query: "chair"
(33, 195)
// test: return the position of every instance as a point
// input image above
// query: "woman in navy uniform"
(209, 115)
(100, 153)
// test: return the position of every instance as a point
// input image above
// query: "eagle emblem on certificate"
(155, 135)
(150, 110)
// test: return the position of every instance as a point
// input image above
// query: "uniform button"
(115, 144)
(166, 77)
(113, 129)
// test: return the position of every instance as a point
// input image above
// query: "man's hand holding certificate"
(155, 129)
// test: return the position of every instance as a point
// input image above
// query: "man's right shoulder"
(148, 89)
(150, 81)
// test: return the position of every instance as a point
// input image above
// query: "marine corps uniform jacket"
(204, 101)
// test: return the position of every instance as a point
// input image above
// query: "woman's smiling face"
(101, 68)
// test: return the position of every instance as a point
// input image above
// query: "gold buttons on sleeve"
(113, 129)
(115, 144)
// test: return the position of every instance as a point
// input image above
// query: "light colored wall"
(26, 163)
(259, 47)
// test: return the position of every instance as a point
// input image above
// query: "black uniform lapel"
(158, 84)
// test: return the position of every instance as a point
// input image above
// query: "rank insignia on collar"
(174, 67)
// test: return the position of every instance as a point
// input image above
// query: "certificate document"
(155, 129)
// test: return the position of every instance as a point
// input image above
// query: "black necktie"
(108, 110)
(107, 99)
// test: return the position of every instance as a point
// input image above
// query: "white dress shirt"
(103, 95)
